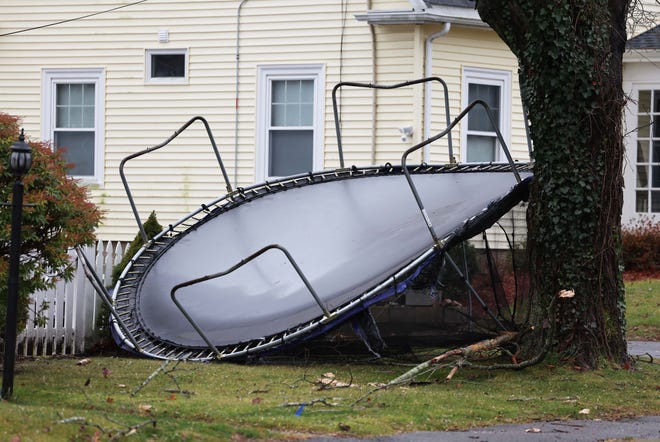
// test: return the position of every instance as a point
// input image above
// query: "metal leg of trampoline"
(240, 264)
(447, 131)
(101, 291)
(474, 292)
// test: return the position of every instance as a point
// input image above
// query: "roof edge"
(641, 56)
(454, 15)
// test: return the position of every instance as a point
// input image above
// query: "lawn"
(63, 399)
(643, 309)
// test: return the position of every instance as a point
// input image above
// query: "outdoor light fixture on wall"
(20, 161)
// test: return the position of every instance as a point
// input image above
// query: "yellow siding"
(138, 115)
(451, 54)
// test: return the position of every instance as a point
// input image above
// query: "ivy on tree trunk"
(570, 69)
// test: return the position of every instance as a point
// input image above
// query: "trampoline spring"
(172, 351)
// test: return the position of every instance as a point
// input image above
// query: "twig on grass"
(168, 373)
(114, 434)
(323, 401)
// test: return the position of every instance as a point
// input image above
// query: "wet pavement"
(645, 428)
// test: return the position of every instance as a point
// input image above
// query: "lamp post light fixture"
(20, 161)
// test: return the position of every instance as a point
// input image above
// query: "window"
(647, 186)
(478, 135)
(167, 65)
(72, 118)
(289, 120)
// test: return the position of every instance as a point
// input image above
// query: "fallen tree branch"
(464, 353)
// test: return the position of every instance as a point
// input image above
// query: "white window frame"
(493, 77)
(165, 80)
(632, 155)
(50, 79)
(265, 76)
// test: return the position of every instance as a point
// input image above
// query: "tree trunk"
(570, 69)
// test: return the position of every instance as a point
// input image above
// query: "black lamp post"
(20, 160)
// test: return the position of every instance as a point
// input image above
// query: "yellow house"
(109, 78)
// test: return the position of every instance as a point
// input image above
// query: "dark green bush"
(151, 227)
(641, 245)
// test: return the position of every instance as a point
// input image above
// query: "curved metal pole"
(380, 86)
(465, 111)
(236, 266)
(164, 143)
(473, 291)
(100, 290)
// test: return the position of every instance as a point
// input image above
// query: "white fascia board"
(641, 56)
(435, 14)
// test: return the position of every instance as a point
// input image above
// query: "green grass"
(231, 401)
(643, 309)
(238, 402)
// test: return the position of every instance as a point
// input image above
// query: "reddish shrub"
(641, 245)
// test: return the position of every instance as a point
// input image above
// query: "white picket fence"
(68, 313)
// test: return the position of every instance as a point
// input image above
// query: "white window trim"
(165, 80)
(494, 77)
(632, 140)
(50, 78)
(265, 75)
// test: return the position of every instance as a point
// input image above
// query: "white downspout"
(236, 85)
(374, 100)
(428, 72)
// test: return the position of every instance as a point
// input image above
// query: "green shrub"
(151, 227)
(641, 245)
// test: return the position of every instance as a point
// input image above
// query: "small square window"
(167, 65)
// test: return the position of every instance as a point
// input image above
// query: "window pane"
(644, 101)
(642, 176)
(75, 117)
(643, 151)
(480, 149)
(655, 201)
(278, 92)
(75, 94)
(88, 116)
(292, 103)
(278, 115)
(656, 152)
(62, 91)
(642, 201)
(307, 91)
(168, 65)
(656, 126)
(655, 176)
(292, 91)
(307, 114)
(62, 116)
(75, 105)
(79, 150)
(478, 118)
(292, 114)
(643, 123)
(656, 101)
(290, 152)
(88, 94)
